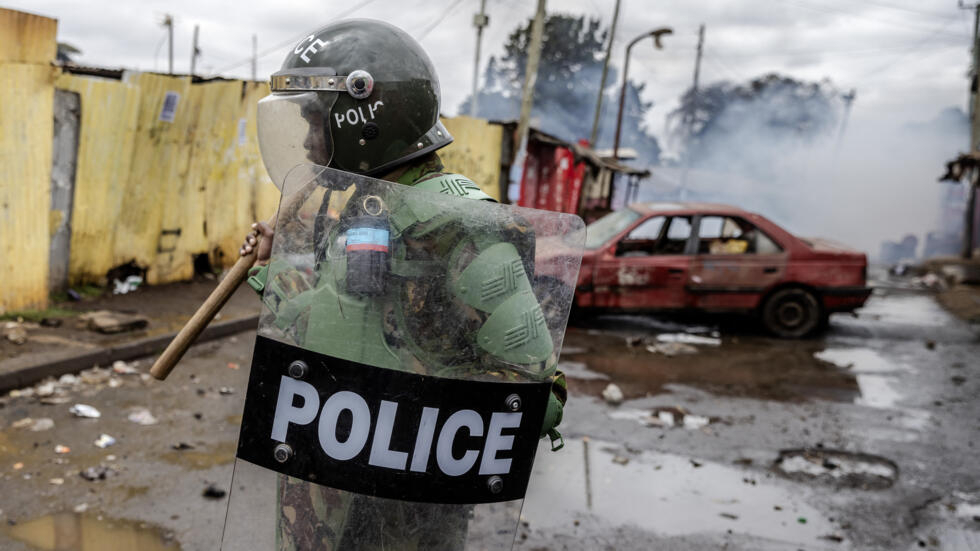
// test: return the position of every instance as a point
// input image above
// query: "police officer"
(362, 96)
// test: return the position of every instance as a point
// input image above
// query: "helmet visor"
(294, 129)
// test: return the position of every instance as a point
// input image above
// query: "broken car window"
(643, 239)
(603, 229)
(678, 232)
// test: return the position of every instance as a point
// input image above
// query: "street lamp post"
(656, 34)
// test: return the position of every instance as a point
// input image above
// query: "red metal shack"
(571, 177)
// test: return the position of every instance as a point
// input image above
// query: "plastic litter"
(233, 365)
(695, 421)
(18, 466)
(42, 424)
(142, 416)
(57, 481)
(612, 394)
(127, 285)
(104, 441)
(122, 368)
(60, 449)
(100, 472)
(83, 410)
(226, 390)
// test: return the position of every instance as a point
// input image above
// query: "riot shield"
(402, 368)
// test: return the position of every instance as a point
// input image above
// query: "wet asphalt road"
(877, 421)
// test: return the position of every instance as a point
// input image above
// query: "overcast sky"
(906, 58)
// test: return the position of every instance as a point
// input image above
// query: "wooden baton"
(200, 320)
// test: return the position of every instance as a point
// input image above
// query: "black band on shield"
(389, 433)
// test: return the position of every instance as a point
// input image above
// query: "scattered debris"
(181, 446)
(695, 422)
(51, 322)
(612, 394)
(104, 321)
(832, 537)
(142, 416)
(57, 481)
(226, 390)
(81, 508)
(930, 344)
(634, 341)
(729, 516)
(83, 410)
(122, 368)
(127, 285)
(671, 348)
(668, 417)
(838, 468)
(801, 520)
(233, 365)
(104, 441)
(18, 466)
(620, 459)
(60, 449)
(73, 295)
(695, 464)
(686, 338)
(22, 423)
(42, 424)
(213, 492)
(958, 379)
(100, 472)
(15, 332)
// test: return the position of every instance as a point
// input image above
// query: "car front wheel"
(792, 313)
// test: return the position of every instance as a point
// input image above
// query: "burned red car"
(717, 258)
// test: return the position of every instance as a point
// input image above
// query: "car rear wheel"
(792, 313)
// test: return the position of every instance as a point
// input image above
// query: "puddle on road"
(199, 459)
(859, 360)
(82, 532)
(664, 493)
(744, 366)
(872, 371)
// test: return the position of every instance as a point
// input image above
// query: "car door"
(647, 268)
(734, 265)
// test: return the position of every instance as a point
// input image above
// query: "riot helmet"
(358, 95)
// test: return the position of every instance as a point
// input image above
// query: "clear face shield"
(294, 128)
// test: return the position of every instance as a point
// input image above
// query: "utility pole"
(168, 21)
(848, 99)
(974, 176)
(689, 116)
(255, 55)
(531, 73)
(480, 20)
(195, 51)
(602, 83)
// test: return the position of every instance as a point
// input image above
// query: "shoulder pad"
(453, 184)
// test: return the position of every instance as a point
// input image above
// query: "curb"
(25, 373)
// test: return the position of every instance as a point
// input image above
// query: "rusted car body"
(717, 258)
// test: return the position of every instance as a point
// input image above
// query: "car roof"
(687, 207)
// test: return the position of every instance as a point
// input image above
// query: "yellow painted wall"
(475, 152)
(105, 152)
(26, 129)
(27, 38)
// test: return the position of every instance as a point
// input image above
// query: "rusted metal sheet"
(27, 38)
(26, 112)
(157, 153)
(475, 152)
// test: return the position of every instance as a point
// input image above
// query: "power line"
(438, 20)
(278, 47)
(832, 10)
(910, 10)
(916, 47)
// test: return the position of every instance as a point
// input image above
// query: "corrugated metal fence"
(165, 169)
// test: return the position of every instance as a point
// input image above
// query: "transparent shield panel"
(404, 360)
